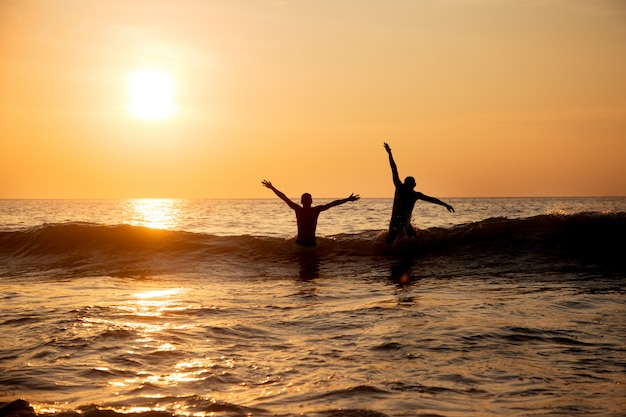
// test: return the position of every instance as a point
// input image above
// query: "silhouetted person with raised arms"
(403, 202)
(306, 214)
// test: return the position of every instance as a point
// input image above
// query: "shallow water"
(450, 346)
(497, 317)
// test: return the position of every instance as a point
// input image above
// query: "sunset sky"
(475, 97)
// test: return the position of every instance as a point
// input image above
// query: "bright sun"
(151, 94)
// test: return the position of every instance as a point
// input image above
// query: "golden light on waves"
(155, 213)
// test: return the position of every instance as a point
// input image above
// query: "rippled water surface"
(504, 318)
(439, 345)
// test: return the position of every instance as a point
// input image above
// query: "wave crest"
(597, 236)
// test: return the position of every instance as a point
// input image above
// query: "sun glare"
(151, 94)
(155, 213)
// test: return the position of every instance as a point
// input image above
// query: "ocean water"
(508, 307)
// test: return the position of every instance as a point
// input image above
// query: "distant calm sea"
(508, 307)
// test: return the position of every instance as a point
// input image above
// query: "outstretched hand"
(267, 184)
(450, 208)
(387, 148)
(353, 197)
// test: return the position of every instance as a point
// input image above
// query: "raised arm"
(338, 202)
(436, 201)
(281, 195)
(394, 168)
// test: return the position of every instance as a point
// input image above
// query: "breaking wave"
(86, 248)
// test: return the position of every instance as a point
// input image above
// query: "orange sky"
(475, 97)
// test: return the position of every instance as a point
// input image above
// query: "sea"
(172, 307)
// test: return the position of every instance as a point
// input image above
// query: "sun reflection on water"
(157, 293)
(155, 213)
(147, 314)
(154, 325)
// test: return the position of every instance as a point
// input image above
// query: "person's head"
(306, 200)
(409, 182)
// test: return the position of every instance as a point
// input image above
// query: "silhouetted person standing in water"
(306, 214)
(403, 202)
